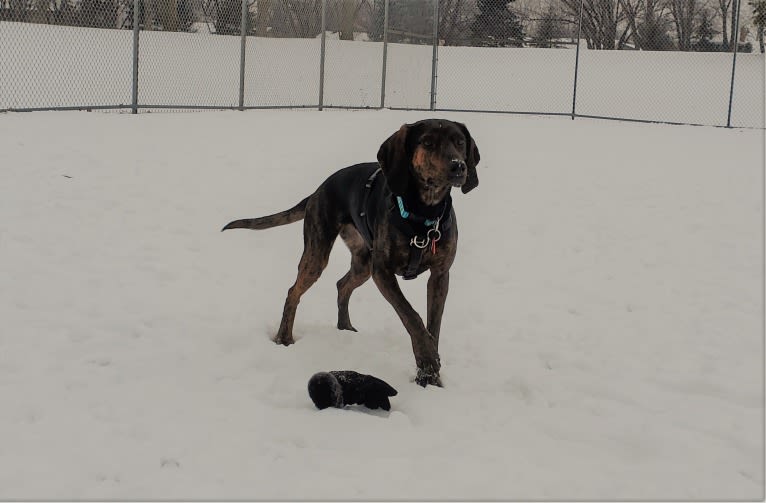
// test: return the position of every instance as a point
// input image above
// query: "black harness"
(424, 228)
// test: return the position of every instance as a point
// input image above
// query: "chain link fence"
(676, 61)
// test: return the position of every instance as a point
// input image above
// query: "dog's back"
(342, 196)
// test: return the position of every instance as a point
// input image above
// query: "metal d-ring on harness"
(432, 237)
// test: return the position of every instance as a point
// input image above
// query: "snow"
(603, 336)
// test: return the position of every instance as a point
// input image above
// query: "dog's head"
(434, 154)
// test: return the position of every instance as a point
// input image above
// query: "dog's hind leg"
(360, 271)
(318, 237)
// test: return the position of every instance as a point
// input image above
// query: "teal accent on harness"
(406, 214)
(402, 211)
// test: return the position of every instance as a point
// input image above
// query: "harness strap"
(366, 231)
(416, 255)
(372, 177)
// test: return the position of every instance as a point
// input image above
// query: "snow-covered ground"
(603, 337)
(46, 66)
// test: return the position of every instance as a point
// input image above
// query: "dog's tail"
(294, 214)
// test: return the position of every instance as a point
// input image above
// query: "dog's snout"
(457, 166)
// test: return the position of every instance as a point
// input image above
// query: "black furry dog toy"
(346, 387)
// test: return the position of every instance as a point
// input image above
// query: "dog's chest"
(410, 259)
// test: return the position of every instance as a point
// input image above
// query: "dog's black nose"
(457, 167)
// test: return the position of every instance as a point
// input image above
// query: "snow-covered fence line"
(45, 67)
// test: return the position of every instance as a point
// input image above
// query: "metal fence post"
(435, 55)
(385, 55)
(735, 41)
(136, 20)
(243, 43)
(577, 61)
(321, 57)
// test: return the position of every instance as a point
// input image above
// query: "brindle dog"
(402, 225)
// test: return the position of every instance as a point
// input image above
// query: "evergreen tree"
(548, 30)
(705, 34)
(654, 35)
(496, 26)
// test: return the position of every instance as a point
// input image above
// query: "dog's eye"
(460, 142)
(427, 143)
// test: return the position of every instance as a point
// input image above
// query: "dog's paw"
(425, 377)
(284, 340)
(343, 325)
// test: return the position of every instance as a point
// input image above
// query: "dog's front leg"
(438, 286)
(423, 344)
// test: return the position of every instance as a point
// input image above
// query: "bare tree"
(647, 24)
(302, 18)
(684, 13)
(723, 9)
(296, 18)
(347, 12)
(262, 17)
(601, 20)
(632, 11)
(410, 21)
(734, 36)
(226, 15)
(547, 29)
(759, 19)
(455, 18)
(167, 14)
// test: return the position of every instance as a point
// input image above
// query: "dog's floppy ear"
(394, 160)
(471, 159)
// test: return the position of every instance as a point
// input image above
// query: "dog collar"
(407, 215)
